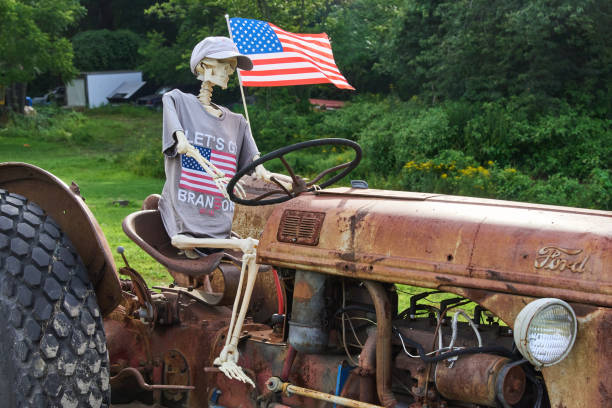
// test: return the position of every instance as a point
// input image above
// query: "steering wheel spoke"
(268, 194)
(289, 168)
(281, 185)
(326, 172)
(299, 184)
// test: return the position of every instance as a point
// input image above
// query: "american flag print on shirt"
(193, 176)
(282, 58)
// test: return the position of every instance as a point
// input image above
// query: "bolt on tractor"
(325, 297)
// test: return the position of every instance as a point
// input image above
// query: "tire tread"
(49, 313)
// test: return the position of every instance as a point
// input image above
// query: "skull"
(216, 71)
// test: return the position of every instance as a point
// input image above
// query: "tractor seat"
(147, 230)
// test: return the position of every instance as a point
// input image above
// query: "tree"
(484, 50)
(167, 59)
(105, 50)
(32, 43)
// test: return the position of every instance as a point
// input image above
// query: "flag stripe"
(316, 56)
(202, 174)
(322, 37)
(290, 57)
(284, 58)
(280, 80)
(223, 162)
(223, 154)
(299, 43)
(214, 192)
(290, 70)
(285, 82)
(251, 75)
(199, 182)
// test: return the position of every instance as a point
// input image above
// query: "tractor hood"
(430, 240)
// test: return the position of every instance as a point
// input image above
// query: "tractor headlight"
(545, 330)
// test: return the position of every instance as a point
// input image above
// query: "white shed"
(91, 89)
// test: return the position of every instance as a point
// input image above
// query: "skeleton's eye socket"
(233, 62)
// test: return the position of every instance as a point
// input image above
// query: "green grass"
(96, 156)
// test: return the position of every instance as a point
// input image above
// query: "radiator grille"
(300, 227)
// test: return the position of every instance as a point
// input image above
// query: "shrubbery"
(50, 124)
(499, 150)
(102, 50)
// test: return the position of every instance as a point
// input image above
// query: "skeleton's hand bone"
(182, 144)
(263, 174)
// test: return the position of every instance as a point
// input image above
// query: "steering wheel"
(299, 185)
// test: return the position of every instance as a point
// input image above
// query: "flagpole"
(246, 111)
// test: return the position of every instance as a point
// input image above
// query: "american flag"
(193, 176)
(282, 58)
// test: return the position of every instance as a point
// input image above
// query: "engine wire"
(346, 350)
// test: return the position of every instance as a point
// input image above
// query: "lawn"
(96, 155)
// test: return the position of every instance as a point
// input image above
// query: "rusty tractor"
(364, 298)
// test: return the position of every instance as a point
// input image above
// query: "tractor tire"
(52, 343)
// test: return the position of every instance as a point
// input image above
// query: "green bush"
(103, 50)
(505, 150)
(148, 160)
(452, 172)
(50, 124)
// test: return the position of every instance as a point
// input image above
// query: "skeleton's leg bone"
(230, 350)
(228, 358)
(229, 355)
(184, 241)
(230, 330)
(252, 270)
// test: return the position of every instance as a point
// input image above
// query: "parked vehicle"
(56, 95)
(533, 283)
(154, 100)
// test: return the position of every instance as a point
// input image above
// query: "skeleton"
(216, 72)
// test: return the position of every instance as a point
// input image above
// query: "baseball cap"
(218, 48)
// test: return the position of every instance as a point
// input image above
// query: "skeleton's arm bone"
(184, 147)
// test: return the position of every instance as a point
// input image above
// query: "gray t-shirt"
(190, 202)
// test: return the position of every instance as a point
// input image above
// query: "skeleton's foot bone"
(227, 363)
(234, 371)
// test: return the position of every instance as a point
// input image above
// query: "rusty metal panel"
(300, 227)
(76, 220)
(249, 221)
(132, 343)
(506, 247)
